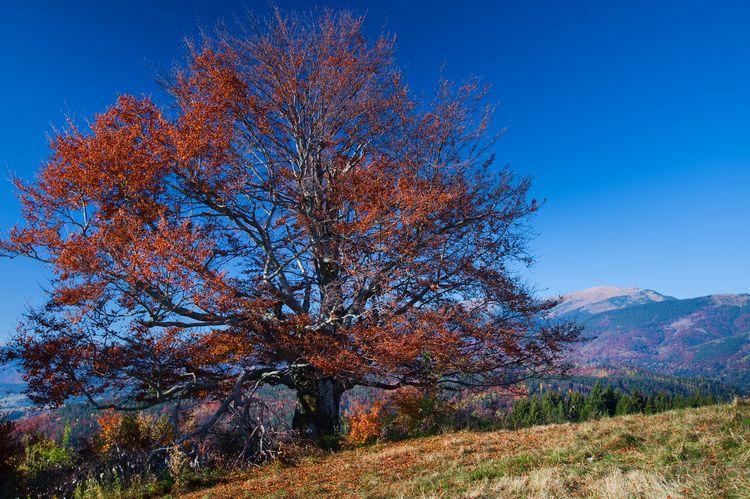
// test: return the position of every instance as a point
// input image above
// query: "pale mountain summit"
(604, 298)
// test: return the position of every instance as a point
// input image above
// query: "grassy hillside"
(701, 452)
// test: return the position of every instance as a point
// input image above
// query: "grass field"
(701, 452)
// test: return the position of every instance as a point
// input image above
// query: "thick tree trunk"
(317, 412)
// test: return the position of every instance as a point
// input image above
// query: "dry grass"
(687, 453)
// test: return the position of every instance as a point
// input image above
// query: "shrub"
(123, 454)
(177, 461)
(366, 423)
(403, 413)
(418, 413)
(10, 451)
(48, 467)
(257, 434)
(133, 432)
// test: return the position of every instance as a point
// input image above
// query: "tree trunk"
(317, 412)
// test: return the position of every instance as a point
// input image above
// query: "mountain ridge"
(604, 298)
(707, 336)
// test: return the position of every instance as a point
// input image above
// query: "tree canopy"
(296, 217)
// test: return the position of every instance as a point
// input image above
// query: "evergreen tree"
(552, 408)
(638, 401)
(650, 406)
(520, 413)
(575, 407)
(535, 412)
(610, 398)
(625, 406)
(595, 406)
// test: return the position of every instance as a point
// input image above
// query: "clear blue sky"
(632, 117)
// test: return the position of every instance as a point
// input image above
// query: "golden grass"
(701, 452)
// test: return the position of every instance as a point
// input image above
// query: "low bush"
(47, 467)
(10, 451)
(366, 424)
(404, 413)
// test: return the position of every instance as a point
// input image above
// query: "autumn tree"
(297, 217)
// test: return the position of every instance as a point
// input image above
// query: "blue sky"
(632, 117)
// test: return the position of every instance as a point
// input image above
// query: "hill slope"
(707, 336)
(694, 452)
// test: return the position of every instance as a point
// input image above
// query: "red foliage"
(406, 412)
(299, 219)
(366, 422)
(46, 424)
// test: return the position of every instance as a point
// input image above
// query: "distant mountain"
(707, 336)
(9, 374)
(605, 298)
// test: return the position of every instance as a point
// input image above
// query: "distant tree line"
(575, 406)
(645, 382)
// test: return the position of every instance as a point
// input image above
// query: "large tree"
(298, 217)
